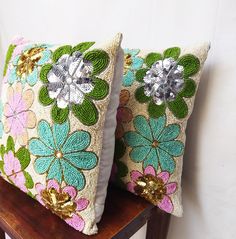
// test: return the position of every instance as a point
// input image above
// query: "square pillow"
(156, 101)
(55, 99)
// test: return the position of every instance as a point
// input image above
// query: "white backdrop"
(209, 183)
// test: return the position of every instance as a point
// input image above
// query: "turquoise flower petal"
(13, 76)
(45, 57)
(60, 133)
(42, 164)
(77, 141)
(132, 52)
(128, 78)
(157, 126)
(38, 148)
(33, 77)
(152, 159)
(82, 160)
(138, 154)
(169, 133)
(45, 134)
(15, 60)
(55, 171)
(72, 176)
(142, 127)
(137, 62)
(174, 148)
(166, 161)
(134, 139)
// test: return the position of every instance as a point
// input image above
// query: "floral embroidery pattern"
(25, 65)
(131, 63)
(165, 82)
(154, 143)
(61, 155)
(124, 114)
(154, 188)
(71, 83)
(18, 117)
(63, 202)
(13, 165)
(1, 124)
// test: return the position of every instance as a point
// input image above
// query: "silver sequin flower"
(164, 80)
(69, 79)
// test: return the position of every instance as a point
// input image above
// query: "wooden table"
(21, 217)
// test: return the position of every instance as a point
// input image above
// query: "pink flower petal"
(76, 222)
(171, 188)
(166, 204)
(39, 199)
(53, 184)
(18, 40)
(150, 170)
(164, 176)
(19, 180)
(11, 163)
(16, 126)
(39, 187)
(135, 174)
(70, 190)
(130, 187)
(82, 204)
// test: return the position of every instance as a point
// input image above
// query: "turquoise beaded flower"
(61, 155)
(154, 143)
(25, 64)
(131, 63)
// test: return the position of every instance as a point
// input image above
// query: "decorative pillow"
(156, 101)
(55, 101)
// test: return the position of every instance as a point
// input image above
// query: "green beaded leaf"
(100, 60)
(189, 89)
(178, 107)
(2, 151)
(190, 63)
(28, 180)
(155, 110)
(10, 50)
(87, 112)
(139, 75)
(1, 167)
(44, 72)
(173, 52)
(100, 90)
(140, 96)
(59, 115)
(24, 157)
(152, 58)
(119, 149)
(44, 98)
(10, 144)
(61, 51)
(83, 46)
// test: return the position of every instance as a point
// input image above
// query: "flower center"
(155, 144)
(60, 203)
(69, 80)
(28, 61)
(151, 188)
(58, 154)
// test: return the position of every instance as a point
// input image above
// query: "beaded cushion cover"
(156, 101)
(54, 102)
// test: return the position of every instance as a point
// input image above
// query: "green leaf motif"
(83, 46)
(44, 72)
(173, 52)
(59, 115)
(87, 112)
(189, 89)
(2, 151)
(61, 51)
(178, 107)
(119, 149)
(1, 167)
(140, 74)
(44, 98)
(24, 157)
(122, 169)
(10, 144)
(101, 89)
(28, 180)
(99, 59)
(155, 111)
(140, 96)
(152, 57)
(10, 50)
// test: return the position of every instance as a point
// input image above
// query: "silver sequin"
(164, 81)
(69, 79)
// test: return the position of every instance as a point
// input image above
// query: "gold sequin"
(127, 62)
(28, 61)
(151, 188)
(60, 203)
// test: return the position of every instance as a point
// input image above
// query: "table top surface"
(25, 218)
